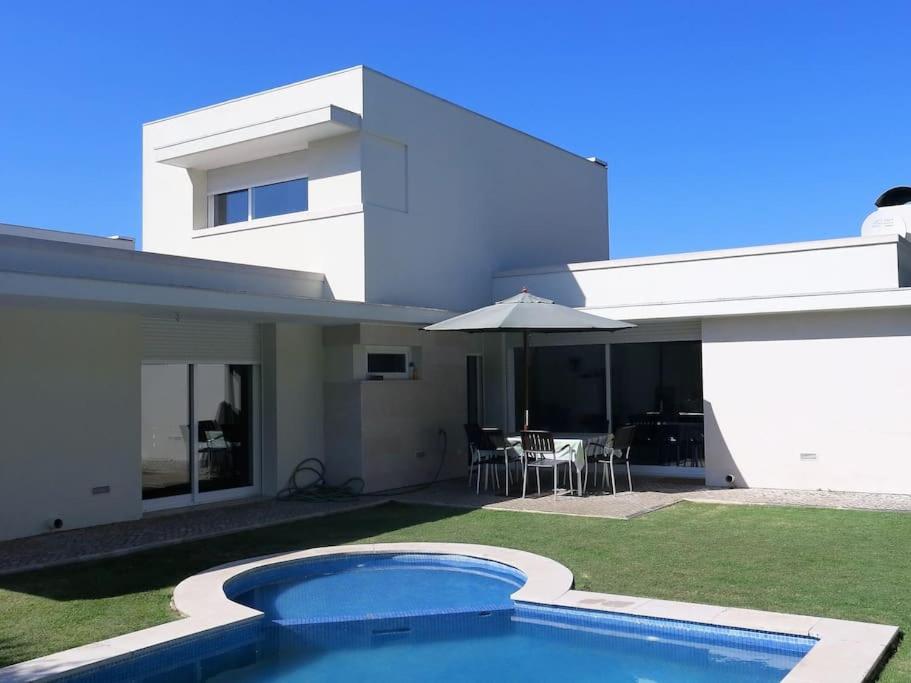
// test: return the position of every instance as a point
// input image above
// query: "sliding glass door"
(223, 409)
(567, 388)
(209, 411)
(166, 471)
(658, 387)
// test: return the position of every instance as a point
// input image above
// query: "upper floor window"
(259, 201)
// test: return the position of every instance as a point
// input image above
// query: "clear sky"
(724, 123)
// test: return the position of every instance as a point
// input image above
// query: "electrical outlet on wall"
(808, 457)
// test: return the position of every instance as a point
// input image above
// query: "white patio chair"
(538, 452)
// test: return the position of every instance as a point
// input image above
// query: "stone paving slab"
(455, 493)
(841, 500)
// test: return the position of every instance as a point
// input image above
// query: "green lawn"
(844, 564)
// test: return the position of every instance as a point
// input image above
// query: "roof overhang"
(51, 273)
(46, 290)
(259, 140)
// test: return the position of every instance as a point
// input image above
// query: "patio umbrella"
(527, 313)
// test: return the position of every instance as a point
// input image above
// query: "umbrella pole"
(525, 383)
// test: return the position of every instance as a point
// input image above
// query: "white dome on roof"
(892, 216)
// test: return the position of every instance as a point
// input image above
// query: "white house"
(295, 241)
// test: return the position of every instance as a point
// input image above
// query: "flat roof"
(112, 242)
(46, 271)
(738, 252)
(361, 67)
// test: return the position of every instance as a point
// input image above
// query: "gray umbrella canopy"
(527, 313)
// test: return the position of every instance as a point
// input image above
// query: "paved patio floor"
(650, 495)
(168, 528)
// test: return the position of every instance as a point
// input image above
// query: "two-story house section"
(398, 196)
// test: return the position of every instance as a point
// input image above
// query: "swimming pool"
(411, 616)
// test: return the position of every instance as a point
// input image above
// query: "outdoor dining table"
(570, 448)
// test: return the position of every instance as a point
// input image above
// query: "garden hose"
(308, 482)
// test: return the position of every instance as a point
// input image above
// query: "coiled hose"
(308, 481)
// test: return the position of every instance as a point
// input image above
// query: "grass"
(835, 563)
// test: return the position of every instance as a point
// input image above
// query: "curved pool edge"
(203, 595)
(846, 651)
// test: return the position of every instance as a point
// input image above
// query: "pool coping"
(846, 651)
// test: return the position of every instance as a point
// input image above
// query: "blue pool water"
(442, 619)
(351, 588)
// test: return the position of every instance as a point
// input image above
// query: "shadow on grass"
(161, 568)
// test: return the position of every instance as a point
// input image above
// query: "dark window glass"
(230, 207)
(474, 388)
(658, 387)
(279, 198)
(223, 402)
(386, 363)
(567, 390)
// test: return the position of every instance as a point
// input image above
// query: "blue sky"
(724, 123)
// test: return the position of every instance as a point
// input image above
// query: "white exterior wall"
(327, 238)
(419, 207)
(833, 384)
(70, 410)
(478, 197)
(851, 264)
(292, 406)
(388, 432)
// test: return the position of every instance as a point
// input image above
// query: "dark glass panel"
(278, 198)
(386, 363)
(567, 388)
(658, 387)
(223, 405)
(473, 388)
(230, 207)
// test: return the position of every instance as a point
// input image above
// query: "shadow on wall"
(812, 326)
(558, 283)
(719, 462)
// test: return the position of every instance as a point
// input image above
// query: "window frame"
(248, 187)
(388, 350)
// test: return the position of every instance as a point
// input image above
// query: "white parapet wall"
(825, 266)
(809, 401)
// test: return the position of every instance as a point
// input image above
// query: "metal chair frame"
(538, 452)
(619, 453)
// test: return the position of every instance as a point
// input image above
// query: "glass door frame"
(195, 497)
